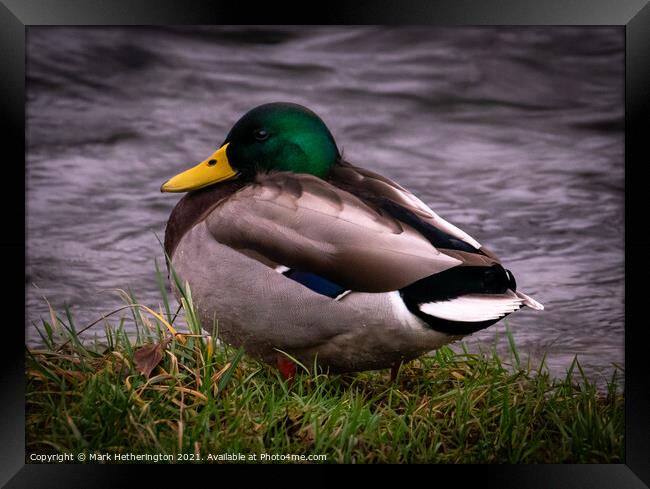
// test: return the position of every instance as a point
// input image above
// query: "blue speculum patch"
(316, 283)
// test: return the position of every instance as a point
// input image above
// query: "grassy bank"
(203, 400)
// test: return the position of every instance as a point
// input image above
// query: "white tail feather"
(474, 307)
(530, 302)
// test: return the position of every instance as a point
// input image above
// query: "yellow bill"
(212, 170)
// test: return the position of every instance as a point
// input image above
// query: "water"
(513, 134)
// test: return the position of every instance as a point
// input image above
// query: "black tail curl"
(453, 283)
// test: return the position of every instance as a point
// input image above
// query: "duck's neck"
(192, 209)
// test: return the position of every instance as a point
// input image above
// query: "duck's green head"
(276, 136)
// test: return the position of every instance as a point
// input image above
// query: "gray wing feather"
(303, 222)
(380, 186)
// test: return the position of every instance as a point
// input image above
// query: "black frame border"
(634, 15)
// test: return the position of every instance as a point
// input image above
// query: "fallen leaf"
(148, 356)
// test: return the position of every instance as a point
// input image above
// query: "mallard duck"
(294, 252)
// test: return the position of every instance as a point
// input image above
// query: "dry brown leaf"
(148, 356)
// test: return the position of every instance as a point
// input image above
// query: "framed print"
(503, 147)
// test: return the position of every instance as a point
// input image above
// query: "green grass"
(203, 398)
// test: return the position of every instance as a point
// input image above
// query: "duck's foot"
(394, 370)
(287, 368)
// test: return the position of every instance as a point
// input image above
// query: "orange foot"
(287, 368)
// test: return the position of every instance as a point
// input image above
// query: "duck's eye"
(261, 135)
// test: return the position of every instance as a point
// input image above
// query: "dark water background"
(513, 134)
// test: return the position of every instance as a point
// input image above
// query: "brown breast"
(192, 209)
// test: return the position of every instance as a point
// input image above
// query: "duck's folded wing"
(374, 187)
(305, 223)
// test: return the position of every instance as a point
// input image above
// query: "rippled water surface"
(513, 134)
